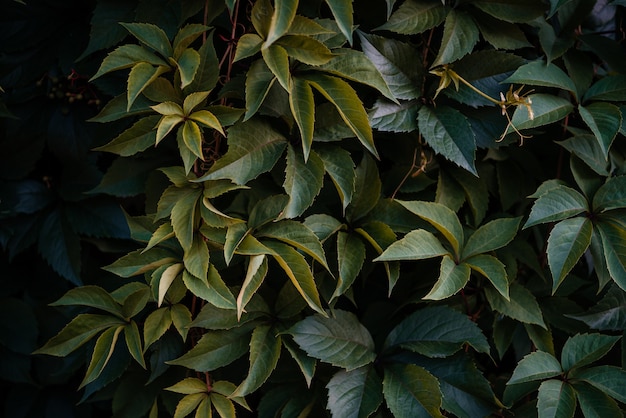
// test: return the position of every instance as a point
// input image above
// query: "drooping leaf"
(339, 339)
(568, 240)
(587, 148)
(156, 324)
(102, 352)
(302, 106)
(342, 12)
(184, 217)
(611, 195)
(126, 56)
(350, 258)
(460, 34)
(521, 306)
(92, 296)
(512, 10)
(411, 392)
(537, 365)
(416, 245)
(340, 167)
(452, 278)
(367, 189)
(609, 88)
(595, 403)
(140, 77)
(449, 133)
(608, 314)
(386, 116)
(169, 274)
(413, 17)
(298, 271)
(354, 394)
(253, 148)
(303, 181)
(583, 349)
(150, 35)
(296, 234)
(264, 354)
(491, 268)
(255, 274)
(137, 138)
(604, 120)
(614, 245)
(277, 60)
(437, 332)
(556, 399)
(259, 80)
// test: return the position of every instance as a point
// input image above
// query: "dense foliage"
(405, 208)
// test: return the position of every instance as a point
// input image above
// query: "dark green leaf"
(546, 109)
(340, 167)
(595, 403)
(437, 332)
(512, 10)
(413, 17)
(568, 240)
(303, 181)
(259, 80)
(583, 349)
(367, 189)
(491, 236)
(277, 60)
(539, 73)
(611, 195)
(354, 394)
(188, 64)
(460, 34)
(137, 138)
(452, 278)
(608, 379)
(493, 269)
(150, 35)
(556, 399)
(604, 120)
(411, 392)
(92, 296)
(339, 339)
(416, 245)
(302, 106)
(350, 258)
(558, 203)
(126, 56)
(610, 88)
(608, 314)
(102, 352)
(521, 306)
(264, 353)
(387, 116)
(537, 365)
(59, 245)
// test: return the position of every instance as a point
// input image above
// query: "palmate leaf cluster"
(352, 209)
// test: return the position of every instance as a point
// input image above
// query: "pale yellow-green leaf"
(167, 278)
(168, 109)
(208, 119)
(193, 137)
(166, 125)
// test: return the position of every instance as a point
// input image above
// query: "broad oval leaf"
(339, 339)
(537, 365)
(437, 331)
(412, 392)
(491, 236)
(449, 133)
(539, 73)
(354, 394)
(493, 269)
(452, 278)
(556, 399)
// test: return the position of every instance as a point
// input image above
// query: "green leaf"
(298, 271)
(188, 64)
(277, 60)
(181, 318)
(297, 235)
(611, 195)
(207, 75)
(608, 379)
(248, 45)
(583, 349)
(284, 13)
(255, 274)
(449, 133)
(452, 278)
(188, 386)
(596, 404)
(92, 296)
(587, 148)
(501, 34)
(305, 49)
(210, 288)
(166, 125)
(608, 314)
(102, 352)
(216, 349)
(521, 306)
(568, 240)
(357, 66)
(184, 217)
(340, 167)
(127, 56)
(189, 403)
(441, 217)
(350, 259)
(540, 73)
(610, 88)
(491, 236)
(223, 405)
(59, 245)
(196, 258)
(512, 10)
(537, 365)
(614, 244)
(302, 106)
(416, 245)
(259, 80)
(367, 189)
(386, 116)
(151, 36)
(348, 104)
(133, 342)
(556, 399)
(437, 331)
(354, 394)
(303, 181)
(460, 34)
(476, 193)
(253, 148)
(77, 332)
(186, 36)
(546, 109)
(137, 138)
(141, 76)
(604, 120)
(139, 262)
(558, 203)
(192, 137)
(342, 12)
(411, 392)
(339, 339)
(414, 17)
(156, 324)
(305, 363)
(267, 210)
(264, 353)
(491, 268)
